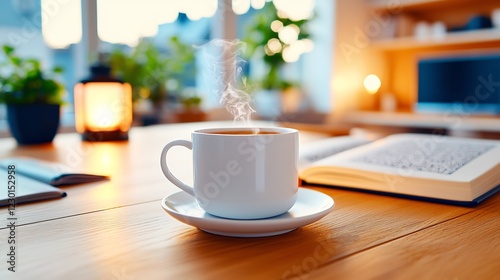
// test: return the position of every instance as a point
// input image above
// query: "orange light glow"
(103, 107)
(372, 83)
(106, 158)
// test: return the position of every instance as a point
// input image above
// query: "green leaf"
(58, 70)
(15, 60)
(8, 50)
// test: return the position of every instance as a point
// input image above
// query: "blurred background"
(159, 48)
(362, 62)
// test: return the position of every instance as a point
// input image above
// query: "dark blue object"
(459, 85)
(33, 123)
(478, 22)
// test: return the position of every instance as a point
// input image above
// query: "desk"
(118, 230)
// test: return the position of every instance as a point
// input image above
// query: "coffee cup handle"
(166, 170)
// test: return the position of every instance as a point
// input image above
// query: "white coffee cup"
(241, 173)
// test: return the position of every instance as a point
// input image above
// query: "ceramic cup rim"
(278, 130)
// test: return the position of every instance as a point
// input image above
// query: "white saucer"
(310, 206)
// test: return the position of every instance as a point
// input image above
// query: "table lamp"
(103, 106)
(372, 85)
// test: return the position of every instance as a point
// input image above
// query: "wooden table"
(118, 230)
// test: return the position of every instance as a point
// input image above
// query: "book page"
(21, 189)
(445, 158)
(317, 150)
(52, 173)
(420, 155)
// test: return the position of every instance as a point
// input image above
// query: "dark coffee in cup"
(242, 132)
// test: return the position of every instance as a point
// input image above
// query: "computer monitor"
(462, 85)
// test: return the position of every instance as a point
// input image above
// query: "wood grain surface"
(118, 230)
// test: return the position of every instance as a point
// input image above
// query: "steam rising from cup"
(225, 66)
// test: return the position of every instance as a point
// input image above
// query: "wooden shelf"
(394, 51)
(450, 39)
(420, 120)
(383, 5)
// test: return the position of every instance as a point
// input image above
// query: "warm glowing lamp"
(103, 106)
(372, 83)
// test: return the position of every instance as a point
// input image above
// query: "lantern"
(103, 106)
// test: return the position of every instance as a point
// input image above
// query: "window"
(36, 28)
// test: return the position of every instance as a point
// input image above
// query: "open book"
(439, 168)
(27, 179)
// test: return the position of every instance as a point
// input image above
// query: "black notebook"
(28, 179)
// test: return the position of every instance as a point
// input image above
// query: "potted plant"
(264, 42)
(144, 69)
(149, 69)
(190, 110)
(32, 98)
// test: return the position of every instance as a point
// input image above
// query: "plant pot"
(190, 115)
(33, 123)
